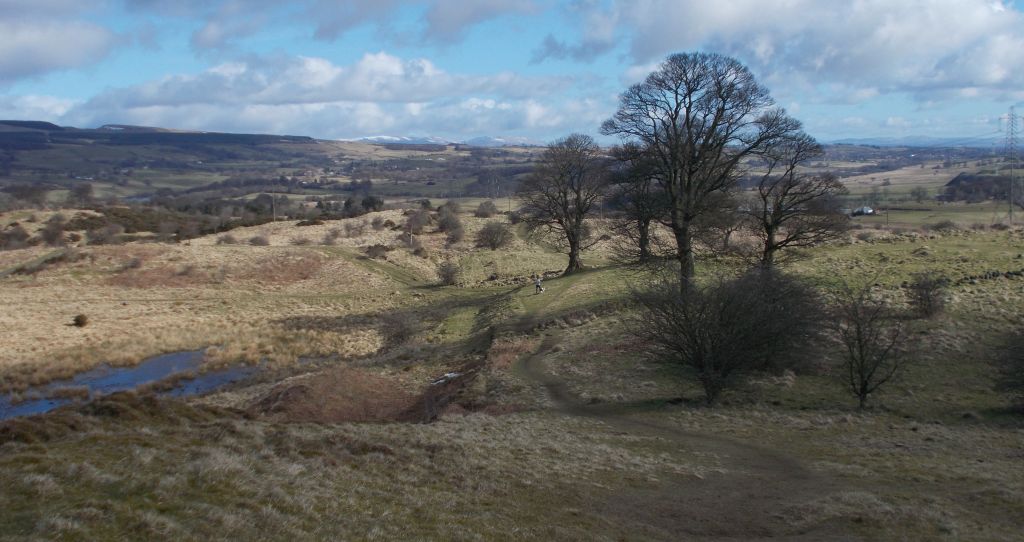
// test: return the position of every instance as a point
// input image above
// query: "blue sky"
(523, 68)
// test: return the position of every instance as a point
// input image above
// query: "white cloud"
(869, 47)
(377, 94)
(30, 48)
(376, 77)
(34, 107)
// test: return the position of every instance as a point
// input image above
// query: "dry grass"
(467, 477)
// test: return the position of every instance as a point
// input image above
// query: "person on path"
(536, 282)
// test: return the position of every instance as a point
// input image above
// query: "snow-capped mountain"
(482, 141)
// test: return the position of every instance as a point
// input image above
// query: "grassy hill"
(483, 410)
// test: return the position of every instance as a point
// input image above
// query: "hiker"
(536, 282)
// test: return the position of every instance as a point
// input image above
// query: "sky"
(530, 69)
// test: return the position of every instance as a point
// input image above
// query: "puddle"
(106, 379)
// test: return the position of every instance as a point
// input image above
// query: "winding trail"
(745, 502)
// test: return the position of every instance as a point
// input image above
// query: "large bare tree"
(701, 115)
(641, 205)
(569, 179)
(793, 207)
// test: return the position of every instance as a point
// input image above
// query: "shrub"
(449, 272)
(13, 237)
(486, 209)
(455, 235)
(761, 321)
(372, 203)
(259, 241)
(926, 293)
(80, 320)
(107, 235)
(53, 233)
(227, 239)
(355, 229)
(515, 217)
(494, 235)
(417, 221)
(332, 236)
(448, 219)
(311, 222)
(872, 337)
(377, 223)
(944, 226)
(377, 251)
(300, 241)
(1000, 226)
(410, 241)
(1010, 362)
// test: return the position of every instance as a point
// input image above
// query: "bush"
(927, 293)
(1010, 362)
(761, 321)
(449, 272)
(455, 235)
(80, 320)
(486, 209)
(259, 241)
(355, 229)
(13, 237)
(300, 241)
(227, 239)
(372, 203)
(407, 240)
(377, 251)
(107, 235)
(448, 218)
(494, 235)
(53, 233)
(312, 222)
(872, 337)
(377, 223)
(944, 226)
(417, 221)
(331, 236)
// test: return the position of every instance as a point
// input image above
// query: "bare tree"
(700, 115)
(761, 321)
(872, 337)
(641, 204)
(568, 180)
(794, 208)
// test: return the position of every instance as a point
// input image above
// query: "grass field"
(567, 430)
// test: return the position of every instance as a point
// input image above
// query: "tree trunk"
(684, 253)
(644, 241)
(574, 255)
(768, 254)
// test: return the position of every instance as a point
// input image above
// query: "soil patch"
(334, 396)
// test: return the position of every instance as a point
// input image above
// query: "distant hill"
(982, 142)
(31, 125)
(29, 135)
(481, 141)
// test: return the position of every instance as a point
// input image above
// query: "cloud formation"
(31, 48)
(924, 47)
(380, 92)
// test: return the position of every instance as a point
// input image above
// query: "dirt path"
(746, 502)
